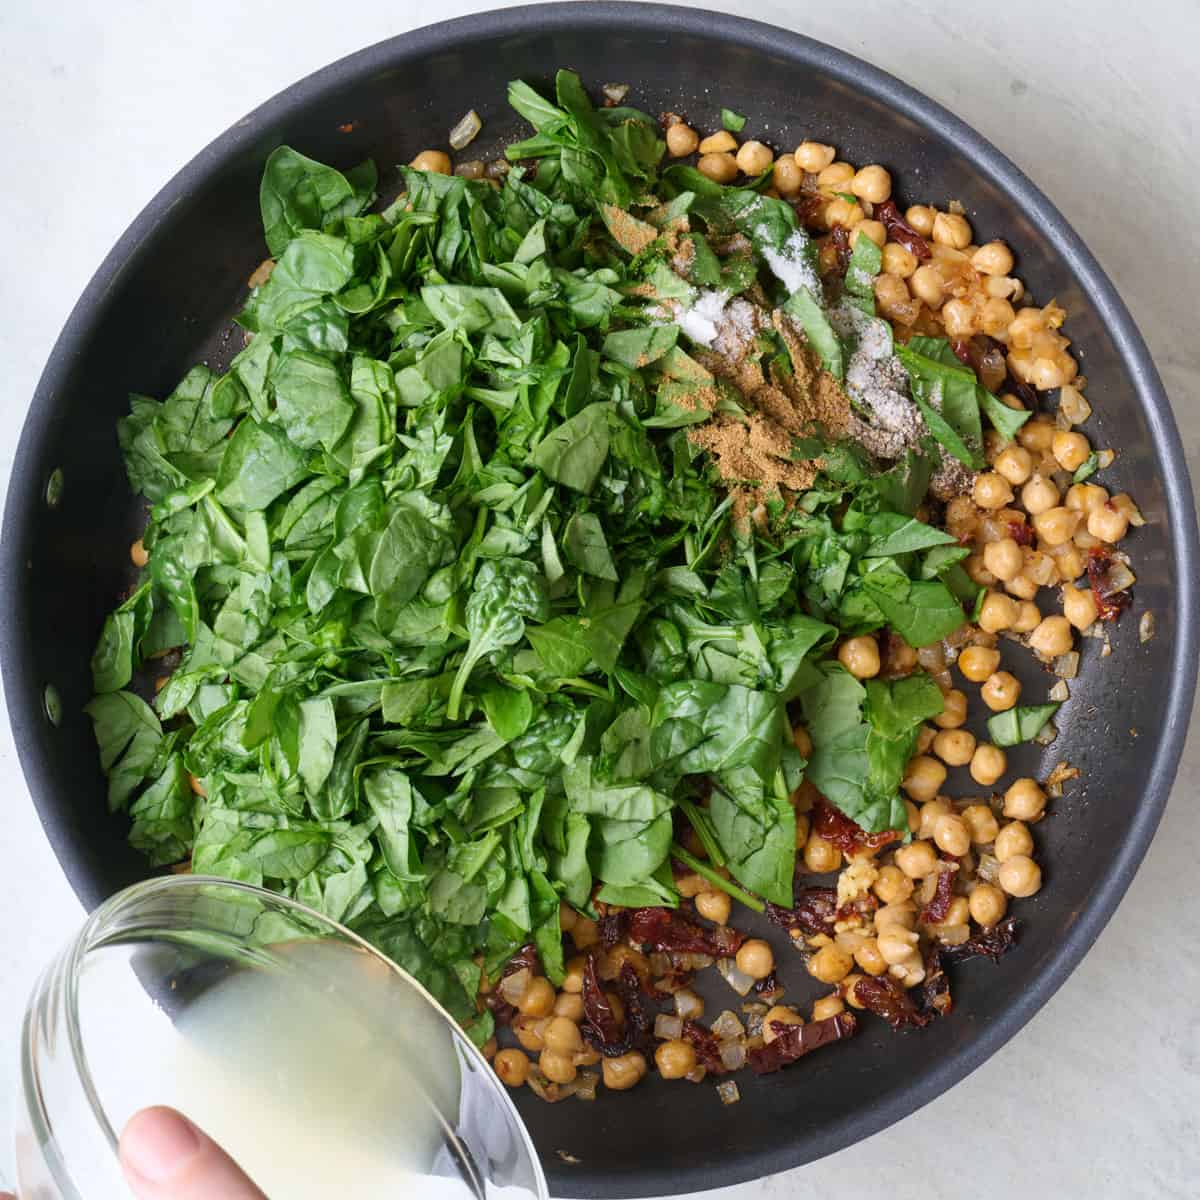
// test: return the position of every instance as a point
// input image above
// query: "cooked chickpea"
(958, 318)
(437, 161)
(1052, 637)
(1029, 616)
(992, 258)
(828, 1006)
(977, 663)
(954, 747)
(714, 906)
(916, 860)
(821, 856)
(926, 285)
(951, 229)
(991, 490)
(923, 777)
(872, 183)
(921, 218)
(538, 1000)
(997, 613)
(780, 1014)
(587, 1057)
(1001, 691)
(139, 554)
(1039, 495)
(1024, 800)
(675, 1058)
(528, 1031)
(569, 1005)
(951, 835)
(573, 976)
(1083, 497)
(898, 260)
(1004, 559)
(891, 885)
(1022, 586)
(512, 1066)
(720, 168)
(925, 736)
(1015, 463)
(691, 885)
(830, 964)
(1079, 606)
(1013, 840)
(1056, 525)
(987, 904)
(875, 230)
(860, 656)
(753, 158)
(721, 142)
(586, 933)
(1071, 563)
(623, 1071)
(910, 970)
(835, 177)
(558, 1068)
(1070, 450)
(755, 958)
(787, 176)
(987, 764)
(954, 710)
(1108, 523)
(682, 140)
(893, 299)
(814, 157)
(981, 824)
(1020, 876)
(1037, 434)
(562, 1036)
(995, 317)
(895, 943)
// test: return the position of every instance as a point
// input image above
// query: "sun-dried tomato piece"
(704, 1042)
(814, 912)
(883, 996)
(839, 239)
(600, 1026)
(527, 956)
(793, 1042)
(613, 927)
(809, 206)
(935, 995)
(992, 943)
(637, 1019)
(673, 930)
(847, 835)
(502, 1012)
(1021, 532)
(899, 230)
(860, 906)
(1109, 602)
(938, 907)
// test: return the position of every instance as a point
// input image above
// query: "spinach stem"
(690, 860)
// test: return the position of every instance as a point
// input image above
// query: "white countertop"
(1100, 1094)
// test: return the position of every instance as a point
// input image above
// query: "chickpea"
(753, 158)
(987, 904)
(567, 917)
(721, 142)
(868, 959)
(1052, 637)
(830, 964)
(988, 764)
(780, 1014)
(1079, 606)
(691, 885)
(558, 1068)
(954, 747)
(675, 1058)
(1083, 497)
(437, 161)
(1020, 876)
(538, 1000)
(860, 656)
(139, 554)
(1029, 616)
(623, 1071)
(1039, 495)
(835, 177)
(926, 285)
(1024, 800)
(921, 218)
(916, 860)
(923, 777)
(573, 976)
(995, 317)
(958, 317)
(978, 663)
(951, 835)
(997, 613)
(512, 1066)
(755, 958)
(1071, 563)
(828, 1006)
(875, 230)
(958, 913)
(814, 157)
(587, 1057)
(528, 1031)
(991, 490)
(894, 301)
(951, 229)
(898, 260)
(585, 934)
(682, 140)
(1004, 559)
(925, 736)
(910, 970)
(993, 258)
(1023, 587)
(895, 944)
(714, 906)
(720, 168)
(954, 710)
(821, 856)
(788, 177)
(981, 824)
(1013, 839)
(1056, 525)
(1070, 450)
(488, 1049)
(1001, 691)
(1015, 463)
(892, 886)
(562, 1036)
(1108, 523)
(569, 1005)
(913, 813)
(873, 184)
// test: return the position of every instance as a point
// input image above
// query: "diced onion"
(727, 1026)
(585, 1085)
(1146, 627)
(738, 980)
(513, 987)
(667, 1027)
(660, 964)
(1046, 734)
(1060, 691)
(616, 92)
(688, 1005)
(754, 1024)
(1073, 405)
(497, 168)
(1066, 666)
(727, 939)
(471, 169)
(1120, 577)
(932, 658)
(733, 1055)
(989, 868)
(728, 1091)
(687, 961)
(466, 130)
(1105, 458)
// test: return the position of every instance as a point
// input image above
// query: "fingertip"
(158, 1144)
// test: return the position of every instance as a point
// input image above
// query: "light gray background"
(1097, 101)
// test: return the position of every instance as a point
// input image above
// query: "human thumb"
(165, 1157)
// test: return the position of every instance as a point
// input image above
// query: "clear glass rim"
(87, 940)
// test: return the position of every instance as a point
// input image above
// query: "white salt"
(791, 266)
